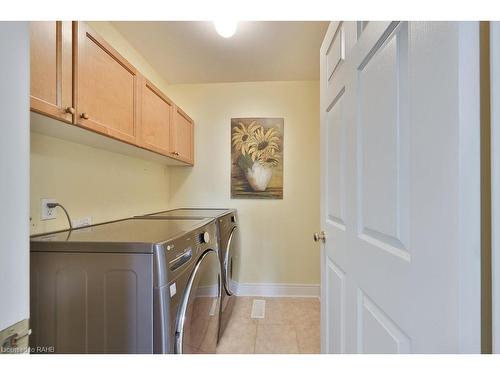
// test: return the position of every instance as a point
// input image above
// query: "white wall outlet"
(82, 222)
(45, 212)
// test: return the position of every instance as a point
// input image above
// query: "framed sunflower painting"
(257, 158)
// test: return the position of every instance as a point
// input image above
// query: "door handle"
(321, 236)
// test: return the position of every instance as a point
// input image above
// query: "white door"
(400, 187)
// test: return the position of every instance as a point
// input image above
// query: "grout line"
(297, 339)
(255, 340)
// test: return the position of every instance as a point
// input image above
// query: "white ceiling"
(193, 52)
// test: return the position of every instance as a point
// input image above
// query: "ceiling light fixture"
(226, 29)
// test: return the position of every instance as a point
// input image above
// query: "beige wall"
(276, 234)
(90, 181)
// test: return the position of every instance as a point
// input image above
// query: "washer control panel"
(180, 253)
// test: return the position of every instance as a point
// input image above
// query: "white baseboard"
(276, 290)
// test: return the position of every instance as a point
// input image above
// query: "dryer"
(229, 249)
(129, 286)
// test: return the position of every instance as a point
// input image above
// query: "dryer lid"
(129, 235)
(194, 212)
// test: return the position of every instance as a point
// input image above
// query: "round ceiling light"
(226, 29)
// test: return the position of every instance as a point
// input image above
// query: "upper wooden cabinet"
(183, 136)
(77, 77)
(157, 113)
(106, 92)
(52, 69)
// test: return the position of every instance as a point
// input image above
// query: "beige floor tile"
(278, 311)
(242, 310)
(306, 311)
(308, 338)
(238, 338)
(290, 311)
(276, 339)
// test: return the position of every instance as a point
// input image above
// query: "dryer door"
(198, 317)
(232, 261)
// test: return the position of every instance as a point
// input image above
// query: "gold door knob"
(321, 236)
(84, 116)
(175, 153)
(70, 110)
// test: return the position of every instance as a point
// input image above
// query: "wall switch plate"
(45, 212)
(82, 222)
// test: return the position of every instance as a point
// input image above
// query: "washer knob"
(204, 237)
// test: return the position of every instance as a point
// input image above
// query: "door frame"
(470, 322)
(495, 180)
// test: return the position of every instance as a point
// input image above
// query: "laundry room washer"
(229, 249)
(129, 286)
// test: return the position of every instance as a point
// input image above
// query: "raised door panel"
(183, 137)
(156, 119)
(383, 143)
(377, 332)
(51, 70)
(336, 304)
(107, 87)
(336, 131)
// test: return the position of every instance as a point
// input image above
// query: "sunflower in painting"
(256, 144)
(242, 136)
(263, 146)
(270, 160)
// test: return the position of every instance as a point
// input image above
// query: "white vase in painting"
(259, 176)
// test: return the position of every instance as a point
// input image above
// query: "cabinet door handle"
(84, 116)
(70, 110)
(175, 153)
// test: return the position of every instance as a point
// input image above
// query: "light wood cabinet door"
(183, 137)
(106, 87)
(157, 112)
(51, 75)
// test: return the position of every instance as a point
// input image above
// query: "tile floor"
(290, 325)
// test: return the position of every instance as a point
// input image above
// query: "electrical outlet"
(82, 222)
(48, 213)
